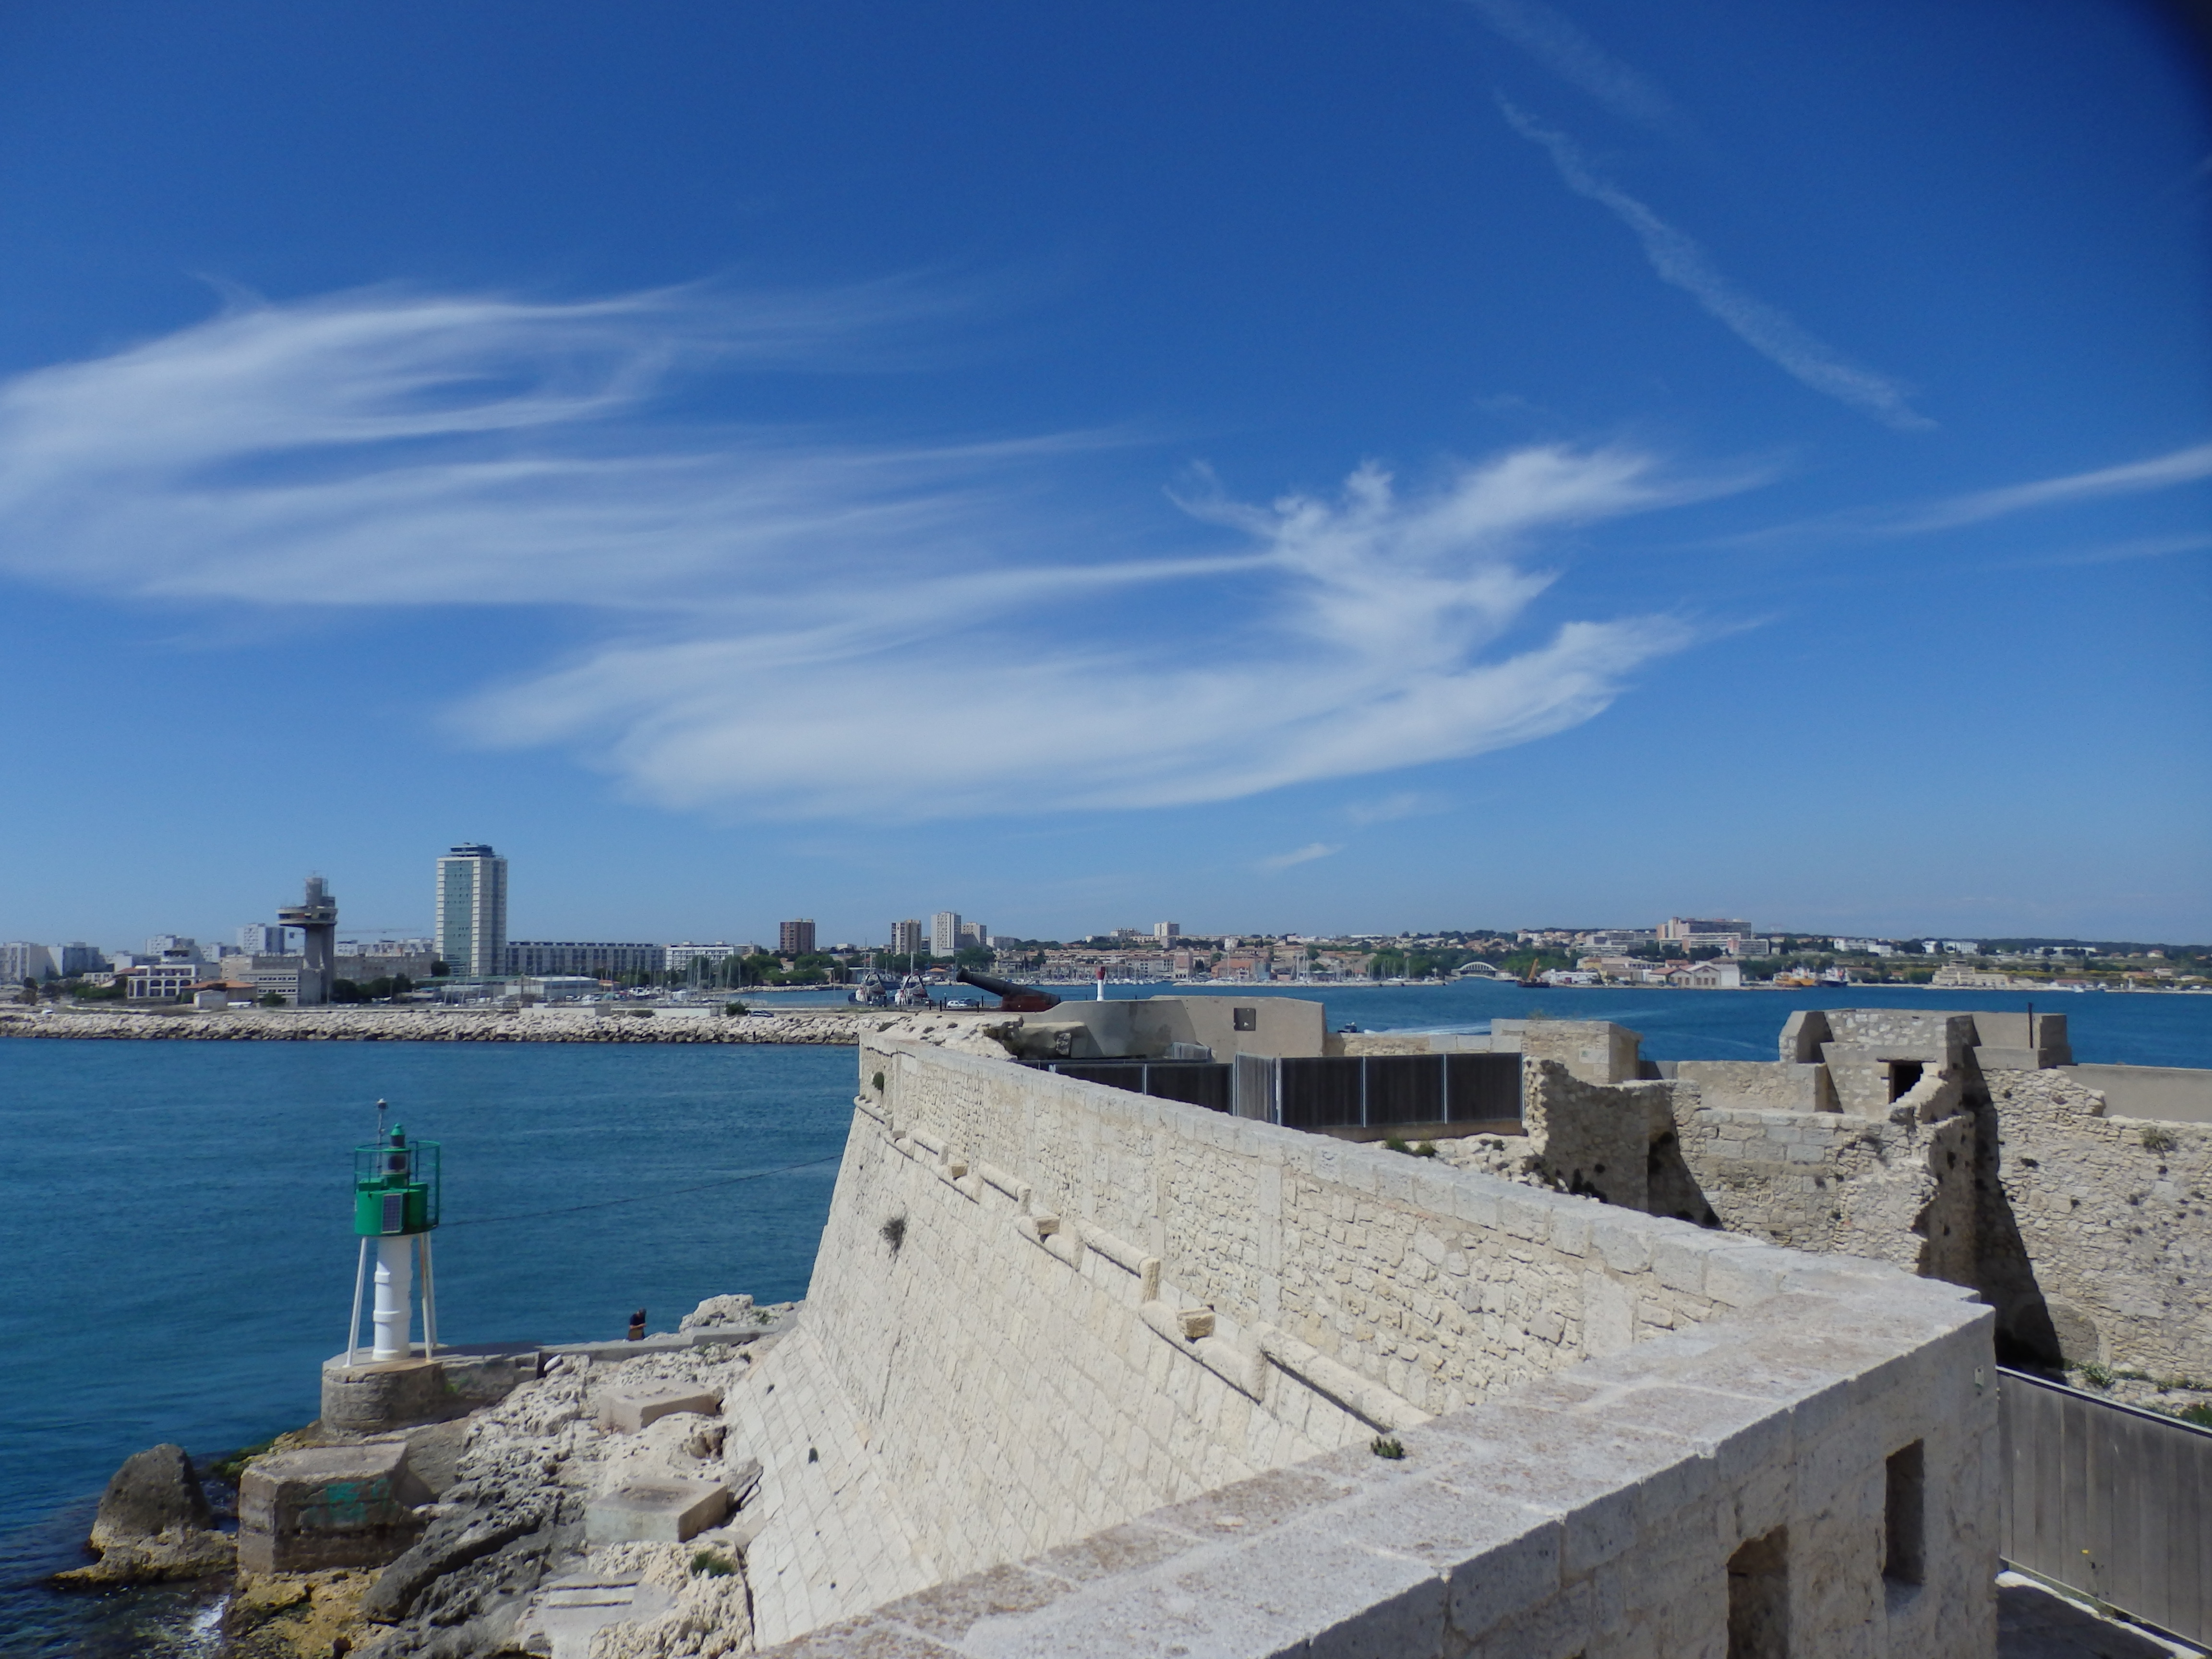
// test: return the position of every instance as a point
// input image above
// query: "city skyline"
(1341, 472)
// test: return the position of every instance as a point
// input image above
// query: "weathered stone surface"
(719, 1310)
(153, 1524)
(514, 1517)
(153, 1491)
(630, 1410)
(655, 1511)
(367, 1398)
(329, 1506)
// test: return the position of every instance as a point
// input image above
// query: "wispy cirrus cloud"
(1401, 804)
(1680, 262)
(1561, 45)
(1306, 855)
(2172, 470)
(2166, 472)
(768, 596)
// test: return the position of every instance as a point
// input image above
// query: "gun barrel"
(1016, 998)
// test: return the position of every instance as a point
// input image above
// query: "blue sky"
(1442, 463)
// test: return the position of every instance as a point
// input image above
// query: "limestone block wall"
(1592, 1507)
(2114, 1215)
(1594, 1050)
(1754, 1085)
(1590, 1137)
(1436, 1284)
(1896, 1191)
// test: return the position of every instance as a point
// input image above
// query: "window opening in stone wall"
(1759, 1598)
(1905, 1535)
(1243, 1019)
(1904, 1077)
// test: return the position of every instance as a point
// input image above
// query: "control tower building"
(316, 916)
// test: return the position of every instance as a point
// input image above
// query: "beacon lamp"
(395, 1208)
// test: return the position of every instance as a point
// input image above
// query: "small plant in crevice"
(712, 1564)
(2155, 1140)
(2200, 1414)
(2096, 1375)
(1385, 1445)
(894, 1232)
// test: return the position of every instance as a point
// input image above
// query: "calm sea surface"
(176, 1255)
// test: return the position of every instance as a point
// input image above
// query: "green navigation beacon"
(395, 1209)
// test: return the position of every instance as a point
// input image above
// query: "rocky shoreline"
(502, 1559)
(836, 1026)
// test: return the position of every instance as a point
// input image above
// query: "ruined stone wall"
(1591, 1137)
(1754, 1085)
(1901, 1193)
(2114, 1215)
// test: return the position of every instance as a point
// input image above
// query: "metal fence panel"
(1193, 1082)
(1482, 1088)
(1318, 1094)
(1255, 1092)
(1378, 1091)
(2108, 1500)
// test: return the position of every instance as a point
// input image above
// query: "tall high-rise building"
(1167, 930)
(472, 927)
(945, 933)
(906, 938)
(261, 938)
(795, 939)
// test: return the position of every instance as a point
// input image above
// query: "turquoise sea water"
(176, 1258)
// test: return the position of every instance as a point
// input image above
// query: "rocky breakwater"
(356, 1025)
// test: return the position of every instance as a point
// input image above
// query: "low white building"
(1715, 975)
(165, 982)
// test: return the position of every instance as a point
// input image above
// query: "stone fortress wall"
(1084, 1371)
(1961, 1146)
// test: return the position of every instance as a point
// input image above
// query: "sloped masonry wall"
(1014, 1401)
(995, 1366)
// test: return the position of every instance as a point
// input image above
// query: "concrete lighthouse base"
(375, 1396)
(371, 1396)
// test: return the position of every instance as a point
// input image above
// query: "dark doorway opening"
(1759, 1598)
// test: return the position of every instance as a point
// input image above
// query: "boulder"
(154, 1524)
(719, 1310)
(153, 1491)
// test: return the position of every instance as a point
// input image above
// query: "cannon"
(1013, 999)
